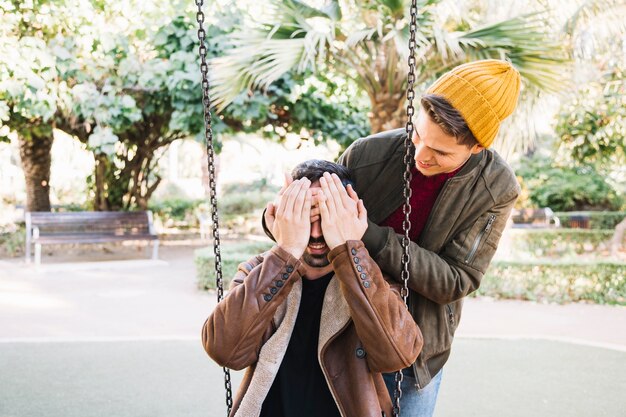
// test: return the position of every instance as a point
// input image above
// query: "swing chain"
(208, 132)
(406, 208)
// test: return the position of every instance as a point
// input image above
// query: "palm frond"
(254, 64)
(260, 56)
(524, 41)
(599, 11)
(359, 36)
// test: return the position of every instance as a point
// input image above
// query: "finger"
(335, 190)
(293, 209)
(270, 213)
(287, 180)
(351, 193)
(324, 214)
(342, 193)
(306, 207)
(285, 204)
(301, 200)
(328, 196)
(362, 212)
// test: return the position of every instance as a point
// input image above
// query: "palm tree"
(367, 42)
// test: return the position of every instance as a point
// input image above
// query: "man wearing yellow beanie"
(462, 195)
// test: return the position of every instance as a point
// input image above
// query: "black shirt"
(300, 389)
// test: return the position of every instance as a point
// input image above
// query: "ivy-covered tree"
(125, 81)
(30, 88)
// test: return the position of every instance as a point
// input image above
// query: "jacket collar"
(335, 314)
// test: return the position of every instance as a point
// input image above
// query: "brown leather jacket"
(365, 329)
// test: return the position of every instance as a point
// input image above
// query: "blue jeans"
(415, 403)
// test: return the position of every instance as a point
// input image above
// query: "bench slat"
(88, 227)
(91, 239)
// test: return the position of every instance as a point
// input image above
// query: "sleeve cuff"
(289, 259)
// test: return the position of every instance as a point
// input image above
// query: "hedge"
(232, 255)
(597, 219)
(556, 242)
(561, 282)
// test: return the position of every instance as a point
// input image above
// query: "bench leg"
(155, 250)
(37, 253)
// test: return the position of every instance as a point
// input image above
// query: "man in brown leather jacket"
(313, 319)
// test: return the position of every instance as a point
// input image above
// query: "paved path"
(122, 339)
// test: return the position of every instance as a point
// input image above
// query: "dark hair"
(314, 169)
(448, 118)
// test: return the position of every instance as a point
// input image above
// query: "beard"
(316, 260)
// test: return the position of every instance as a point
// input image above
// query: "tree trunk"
(101, 200)
(36, 160)
(388, 111)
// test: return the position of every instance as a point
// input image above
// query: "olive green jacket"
(454, 249)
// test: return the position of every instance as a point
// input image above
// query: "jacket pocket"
(479, 239)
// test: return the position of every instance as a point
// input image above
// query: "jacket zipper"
(479, 238)
(450, 315)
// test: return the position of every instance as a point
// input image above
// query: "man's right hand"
(290, 221)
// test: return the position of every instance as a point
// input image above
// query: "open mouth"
(317, 247)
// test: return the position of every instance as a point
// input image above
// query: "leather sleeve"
(389, 334)
(235, 331)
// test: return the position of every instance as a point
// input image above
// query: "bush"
(175, 212)
(232, 254)
(556, 242)
(597, 282)
(567, 188)
(597, 219)
(237, 203)
(13, 240)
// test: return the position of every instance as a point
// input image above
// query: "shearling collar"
(335, 315)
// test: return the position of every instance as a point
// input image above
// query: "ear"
(478, 148)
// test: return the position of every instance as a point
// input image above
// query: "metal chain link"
(208, 133)
(406, 208)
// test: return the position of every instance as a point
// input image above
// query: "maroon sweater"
(424, 193)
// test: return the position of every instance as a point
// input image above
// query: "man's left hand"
(343, 215)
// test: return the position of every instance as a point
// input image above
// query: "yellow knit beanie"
(484, 92)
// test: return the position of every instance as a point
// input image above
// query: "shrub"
(567, 188)
(236, 203)
(175, 212)
(597, 219)
(556, 242)
(232, 254)
(598, 282)
(12, 240)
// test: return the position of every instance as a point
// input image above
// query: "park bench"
(46, 228)
(535, 218)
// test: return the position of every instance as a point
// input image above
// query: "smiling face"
(315, 256)
(437, 152)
